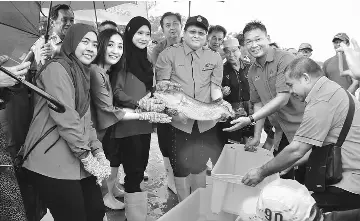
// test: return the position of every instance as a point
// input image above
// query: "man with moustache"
(268, 91)
(199, 71)
(171, 26)
(61, 18)
(215, 38)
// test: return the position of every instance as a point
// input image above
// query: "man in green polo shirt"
(327, 105)
(268, 90)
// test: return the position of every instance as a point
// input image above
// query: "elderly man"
(327, 105)
(61, 18)
(236, 89)
(305, 50)
(199, 71)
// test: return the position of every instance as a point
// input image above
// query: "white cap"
(231, 42)
(286, 198)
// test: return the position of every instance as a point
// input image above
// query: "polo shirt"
(194, 71)
(265, 82)
(331, 70)
(327, 105)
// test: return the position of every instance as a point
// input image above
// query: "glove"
(168, 85)
(154, 117)
(225, 90)
(93, 166)
(100, 156)
(151, 104)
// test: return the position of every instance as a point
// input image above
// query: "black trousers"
(135, 155)
(336, 199)
(190, 152)
(70, 200)
(283, 143)
(164, 138)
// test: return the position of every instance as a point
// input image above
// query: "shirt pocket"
(205, 74)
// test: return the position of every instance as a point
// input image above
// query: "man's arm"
(216, 80)
(272, 106)
(354, 86)
(260, 123)
(286, 158)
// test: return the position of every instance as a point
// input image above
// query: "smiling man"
(327, 106)
(268, 91)
(199, 71)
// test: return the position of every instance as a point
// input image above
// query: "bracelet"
(253, 122)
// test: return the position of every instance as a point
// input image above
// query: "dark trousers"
(164, 138)
(336, 199)
(283, 143)
(190, 152)
(70, 200)
(135, 152)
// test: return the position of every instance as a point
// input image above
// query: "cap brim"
(306, 48)
(199, 24)
(339, 39)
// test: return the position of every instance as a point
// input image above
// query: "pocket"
(205, 76)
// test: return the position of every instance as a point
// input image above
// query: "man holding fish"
(198, 71)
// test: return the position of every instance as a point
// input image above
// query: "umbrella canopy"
(19, 28)
(84, 5)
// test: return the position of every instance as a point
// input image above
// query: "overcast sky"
(288, 22)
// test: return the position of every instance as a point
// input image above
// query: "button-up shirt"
(195, 71)
(265, 82)
(55, 42)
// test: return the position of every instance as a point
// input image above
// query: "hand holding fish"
(168, 85)
(154, 117)
(151, 104)
(239, 123)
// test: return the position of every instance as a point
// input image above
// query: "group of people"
(105, 80)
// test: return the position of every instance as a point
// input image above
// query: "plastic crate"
(196, 207)
(229, 194)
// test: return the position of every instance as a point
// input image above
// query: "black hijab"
(136, 59)
(79, 72)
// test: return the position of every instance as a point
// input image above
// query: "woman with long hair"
(106, 65)
(133, 83)
(67, 160)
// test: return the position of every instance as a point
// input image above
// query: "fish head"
(226, 112)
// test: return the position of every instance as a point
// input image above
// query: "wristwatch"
(253, 122)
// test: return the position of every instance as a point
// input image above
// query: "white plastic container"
(196, 207)
(229, 194)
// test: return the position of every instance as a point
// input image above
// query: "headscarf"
(136, 59)
(80, 73)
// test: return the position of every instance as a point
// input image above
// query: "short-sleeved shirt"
(331, 70)
(195, 71)
(265, 82)
(55, 42)
(327, 105)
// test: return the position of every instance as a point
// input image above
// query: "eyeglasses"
(200, 33)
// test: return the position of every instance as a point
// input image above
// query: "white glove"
(225, 90)
(100, 156)
(154, 117)
(151, 104)
(168, 85)
(93, 166)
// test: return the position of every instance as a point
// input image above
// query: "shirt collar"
(315, 88)
(188, 50)
(269, 56)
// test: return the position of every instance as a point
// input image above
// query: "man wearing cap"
(327, 105)
(199, 71)
(305, 50)
(331, 65)
(236, 89)
(288, 200)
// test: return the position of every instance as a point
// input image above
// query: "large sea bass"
(182, 107)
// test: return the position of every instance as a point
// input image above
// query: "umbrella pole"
(53, 102)
(48, 24)
(95, 16)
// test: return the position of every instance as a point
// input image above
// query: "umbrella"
(19, 27)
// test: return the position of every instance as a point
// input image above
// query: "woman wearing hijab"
(133, 83)
(66, 160)
(104, 114)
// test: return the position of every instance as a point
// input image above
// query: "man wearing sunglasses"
(61, 18)
(199, 71)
